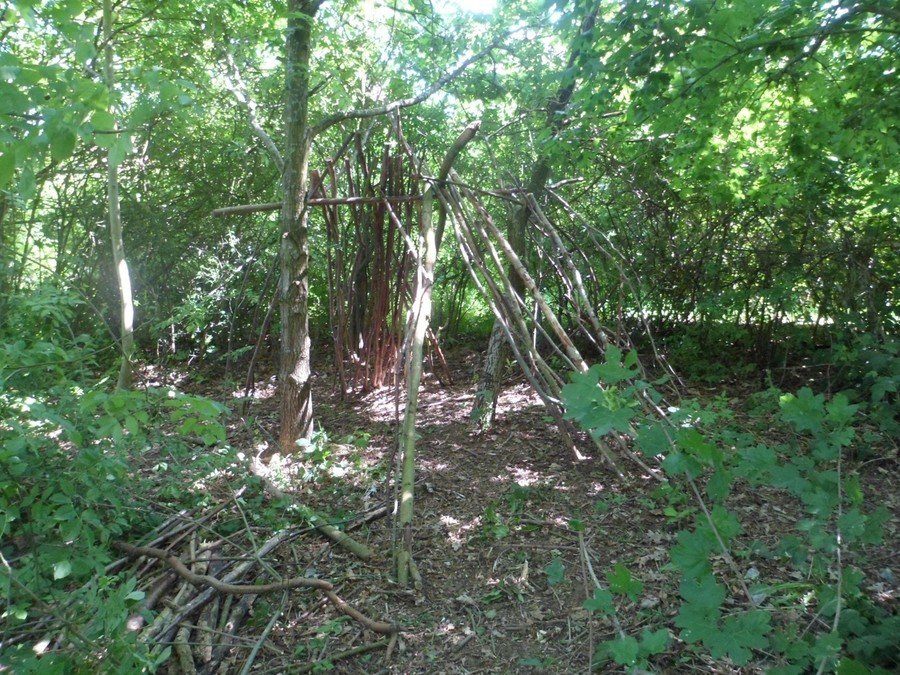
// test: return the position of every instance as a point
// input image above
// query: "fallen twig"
(250, 589)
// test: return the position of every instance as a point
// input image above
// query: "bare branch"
(387, 108)
(238, 90)
(323, 201)
(257, 589)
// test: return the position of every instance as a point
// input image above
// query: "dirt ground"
(511, 530)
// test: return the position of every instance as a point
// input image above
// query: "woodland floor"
(492, 512)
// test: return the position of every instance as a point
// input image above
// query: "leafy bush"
(68, 488)
(870, 370)
(809, 468)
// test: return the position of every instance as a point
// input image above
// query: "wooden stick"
(252, 589)
(244, 209)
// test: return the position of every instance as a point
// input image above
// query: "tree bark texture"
(294, 371)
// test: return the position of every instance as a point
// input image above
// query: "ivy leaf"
(699, 615)
(555, 571)
(620, 581)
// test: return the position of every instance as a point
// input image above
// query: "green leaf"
(756, 463)
(555, 571)
(653, 440)
(612, 371)
(805, 411)
(120, 149)
(623, 651)
(840, 411)
(131, 424)
(576, 525)
(739, 634)
(699, 615)
(62, 143)
(827, 646)
(691, 553)
(654, 642)
(601, 420)
(620, 581)
(694, 444)
(103, 120)
(719, 486)
(677, 463)
(7, 168)
(602, 602)
(851, 667)
(62, 569)
(704, 593)
(726, 523)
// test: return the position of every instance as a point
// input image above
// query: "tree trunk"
(126, 303)
(294, 372)
(421, 311)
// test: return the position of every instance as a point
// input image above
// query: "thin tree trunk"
(421, 310)
(296, 393)
(420, 317)
(126, 303)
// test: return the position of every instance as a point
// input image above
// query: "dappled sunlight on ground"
(262, 391)
(459, 531)
(516, 398)
(521, 476)
(153, 375)
(443, 405)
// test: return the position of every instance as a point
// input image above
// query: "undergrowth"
(728, 610)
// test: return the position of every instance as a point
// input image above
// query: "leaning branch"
(323, 201)
(337, 118)
(235, 84)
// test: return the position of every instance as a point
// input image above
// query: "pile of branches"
(523, 316)
(200, 587)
